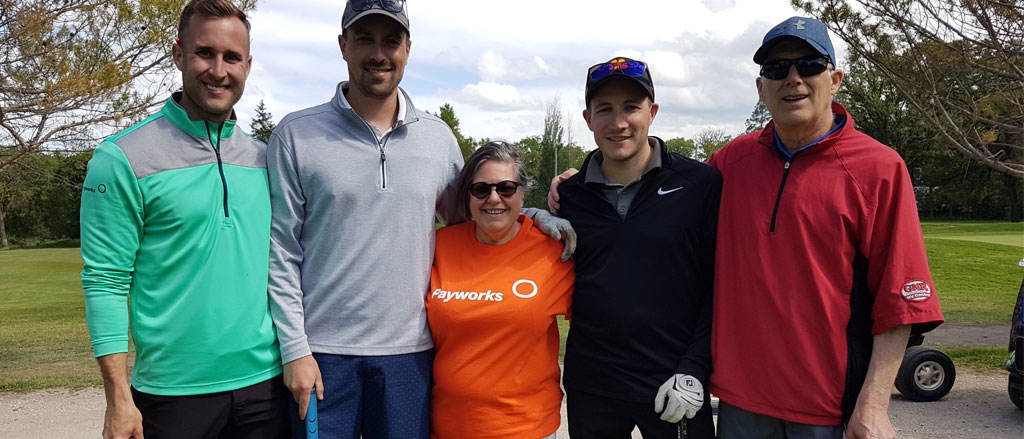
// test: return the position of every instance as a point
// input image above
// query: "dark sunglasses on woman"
(505, 188)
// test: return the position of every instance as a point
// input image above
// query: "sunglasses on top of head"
(505, 188)
(625, 67)
(810, 66)
(387, 5)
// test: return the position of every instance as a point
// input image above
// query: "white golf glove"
(558, 228)
(681, 396)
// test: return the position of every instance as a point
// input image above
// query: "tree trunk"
(3, 230)
(1013, 195)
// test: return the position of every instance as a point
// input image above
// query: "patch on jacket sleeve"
(916, 291)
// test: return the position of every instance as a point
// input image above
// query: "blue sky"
(500, 63)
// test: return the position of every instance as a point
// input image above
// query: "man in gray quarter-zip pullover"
(356, 184)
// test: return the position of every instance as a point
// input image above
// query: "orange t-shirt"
(492, 312)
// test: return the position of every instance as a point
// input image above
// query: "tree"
(708, 141)
(758, 118)
(263, 124)
(554, 132)
(16, 190)
(682, 146)
(76, 70)
(40, 197)
(555, 153)
(958, 63)
(541, 153)
(946, 183)
(466, 144)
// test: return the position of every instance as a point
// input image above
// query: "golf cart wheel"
(926, 374)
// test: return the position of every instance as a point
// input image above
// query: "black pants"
(259, 411)
(599, 417)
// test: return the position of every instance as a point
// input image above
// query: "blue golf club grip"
(312, 430)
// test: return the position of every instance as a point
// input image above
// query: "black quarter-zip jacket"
(643, 295)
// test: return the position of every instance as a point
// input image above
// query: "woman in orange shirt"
(495, 288)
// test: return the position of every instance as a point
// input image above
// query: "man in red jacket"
(821, 274)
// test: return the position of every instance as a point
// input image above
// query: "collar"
(836, 119)
(844, 122)
(198, 128)
(404, 102)
(595, 174)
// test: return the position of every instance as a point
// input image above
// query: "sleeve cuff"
(115, 346)
(295, 350)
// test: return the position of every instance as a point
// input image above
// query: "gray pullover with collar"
(352, 235)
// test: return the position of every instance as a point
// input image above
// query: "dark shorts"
(736, 423)
(259, 411)
(385, 396)
(599, 417)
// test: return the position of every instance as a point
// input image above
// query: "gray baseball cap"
(809, 30)
(356, 9)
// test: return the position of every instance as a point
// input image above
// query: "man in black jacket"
(646, 221)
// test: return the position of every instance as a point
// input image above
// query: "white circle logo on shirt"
(916, 291)
(515, 288)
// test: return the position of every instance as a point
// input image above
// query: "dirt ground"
(976, 408)
(969, 334)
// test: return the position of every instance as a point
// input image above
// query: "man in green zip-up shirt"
(176, 219)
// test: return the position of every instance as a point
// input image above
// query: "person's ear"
(178, 55)
(837, 80)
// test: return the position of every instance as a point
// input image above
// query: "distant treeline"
(40, 195)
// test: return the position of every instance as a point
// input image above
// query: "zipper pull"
(786, 168)
(382, 157)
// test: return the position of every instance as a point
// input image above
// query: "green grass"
(44, 341)
(563, 331)
(986, 358)
(981, 231)
(976, 282)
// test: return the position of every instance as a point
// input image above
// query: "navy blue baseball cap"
(619, 68)
(809, 30)
(356, 9)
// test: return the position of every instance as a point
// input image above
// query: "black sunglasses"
(505, 188)
(804, 66)
(387, 5)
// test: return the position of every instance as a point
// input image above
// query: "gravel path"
(969, 334)
(977, 408)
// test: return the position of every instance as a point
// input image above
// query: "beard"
(378, 88)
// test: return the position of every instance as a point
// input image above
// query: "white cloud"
(500, 63)
(543, 66)
(495, 97)
(718, 5)
(491, 66)
(496, 68)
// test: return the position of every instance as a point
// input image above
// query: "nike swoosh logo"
(662, 191)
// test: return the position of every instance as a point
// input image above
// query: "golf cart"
(926, 374)
(1016, 362)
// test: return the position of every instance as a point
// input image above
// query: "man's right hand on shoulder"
(122, 420)
(553, 192)
(300, 376)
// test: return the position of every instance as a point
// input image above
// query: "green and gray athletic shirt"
(176, 219)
